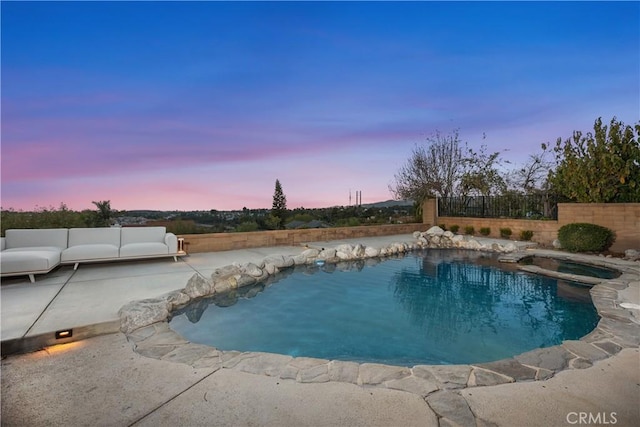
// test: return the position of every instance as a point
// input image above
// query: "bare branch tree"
(433, 170)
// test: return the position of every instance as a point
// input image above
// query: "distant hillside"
(389, 204)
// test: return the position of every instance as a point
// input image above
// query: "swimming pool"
(428, 307)
(571, 267)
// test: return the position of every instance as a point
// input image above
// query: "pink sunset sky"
(203, 105)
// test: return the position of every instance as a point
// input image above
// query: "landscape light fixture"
(64, 333)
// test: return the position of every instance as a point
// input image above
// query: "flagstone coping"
(146, 326)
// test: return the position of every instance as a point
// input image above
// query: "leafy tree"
(599, 167)
(279, 208)
(103, 214)
(481, 175)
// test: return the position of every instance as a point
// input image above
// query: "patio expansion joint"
(173, 398)
(48, 304)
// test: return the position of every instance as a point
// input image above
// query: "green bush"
(585, 237)
(526, 235)
(469, 230)
(247, 226)
(485, 231)
(443, 226)
(505, 233)
(454, 228)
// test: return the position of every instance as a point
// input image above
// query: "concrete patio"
(100, 380)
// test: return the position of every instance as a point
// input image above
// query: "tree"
(103, 214)
(599, 167)
(431, 171)
(279, 208)
(532, 177)
(481, 175)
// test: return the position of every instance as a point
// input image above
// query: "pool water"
(571, 267)
(428, 307)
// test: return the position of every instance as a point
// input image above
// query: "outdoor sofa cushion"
(92, 244)
(31, 251)
(147, 241)
(19, 261)
(30, 238)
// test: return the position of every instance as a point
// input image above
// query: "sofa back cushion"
(143, 234)
(29, 238)
(94, 236)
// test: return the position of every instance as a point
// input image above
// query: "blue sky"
(203, 105)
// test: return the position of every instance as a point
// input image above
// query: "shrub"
(469, 230)
(443, 226)
(485, 231)
(585, 237)
(247, 226)
(454, 228)
(505, 233)
(526, 235)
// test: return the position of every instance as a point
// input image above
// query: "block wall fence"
(622, 218)
(214, 242)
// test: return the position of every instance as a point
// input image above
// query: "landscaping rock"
(279, 261)
(310, 253)
(327, 253)
(141, 313)
(632, 254)
(371, 252)
(434, 231)
(252, 270)
(197, 287)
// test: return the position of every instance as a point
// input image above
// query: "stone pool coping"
(145, 323)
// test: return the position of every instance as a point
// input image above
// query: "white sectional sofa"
(31, 252)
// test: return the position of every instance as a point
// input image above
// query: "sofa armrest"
(3, 244)
(171, 241)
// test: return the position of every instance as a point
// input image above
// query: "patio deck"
(101, 380)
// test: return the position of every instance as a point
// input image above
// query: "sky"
(203, 105)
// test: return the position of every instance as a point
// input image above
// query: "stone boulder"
(310, 253)
(279, 261)
(435, 231)
(358, 251)
(327, 253)
(632, 254)
(198, 286)
(371, 252)
(138, 314)
(252, 270)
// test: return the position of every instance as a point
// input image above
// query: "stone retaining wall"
(215, 242)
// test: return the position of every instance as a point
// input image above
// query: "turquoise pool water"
(428, 307)
(571, 267)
